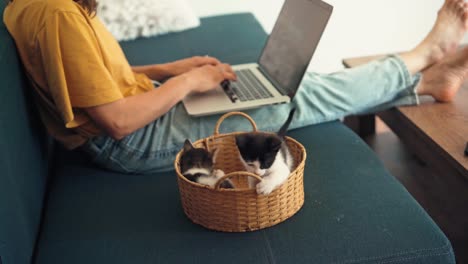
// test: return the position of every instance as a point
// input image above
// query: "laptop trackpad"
(206, 102)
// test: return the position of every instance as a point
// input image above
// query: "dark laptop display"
(290, 47)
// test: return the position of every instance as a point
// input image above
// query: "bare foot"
(442, 40)
(447, 32)
(443, 79)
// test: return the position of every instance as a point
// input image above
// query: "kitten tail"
(284, 128)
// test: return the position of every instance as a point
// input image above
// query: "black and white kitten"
(196, 164)
(267, 156)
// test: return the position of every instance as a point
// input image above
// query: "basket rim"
(180, 176)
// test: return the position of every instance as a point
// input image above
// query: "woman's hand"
(185, 65)
(205, 78)
(162, 72)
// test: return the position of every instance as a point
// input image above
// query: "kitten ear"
(241, 140)
(214, 154)
(188, 145)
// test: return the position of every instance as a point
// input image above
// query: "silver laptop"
(275, 78)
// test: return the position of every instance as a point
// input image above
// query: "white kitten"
(267, 156)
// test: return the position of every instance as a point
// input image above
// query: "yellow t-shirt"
(73, 62)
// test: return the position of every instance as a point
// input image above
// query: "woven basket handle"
(229, 175)
(221, 119)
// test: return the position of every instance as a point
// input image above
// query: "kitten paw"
(218, 174)
(265, 187)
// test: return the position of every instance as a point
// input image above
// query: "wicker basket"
(240, 209)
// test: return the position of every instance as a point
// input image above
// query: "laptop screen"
(293, 41)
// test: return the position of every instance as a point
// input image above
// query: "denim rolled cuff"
(411, 82)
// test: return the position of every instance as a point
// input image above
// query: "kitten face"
(254, 167)
(195, 158)
(258, 151)
(196, 165)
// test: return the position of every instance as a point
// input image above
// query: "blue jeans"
(370, 88)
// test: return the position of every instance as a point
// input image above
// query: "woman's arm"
(160, 72)
(157, 72)
(122, 117)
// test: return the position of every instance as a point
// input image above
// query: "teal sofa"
(58, 208)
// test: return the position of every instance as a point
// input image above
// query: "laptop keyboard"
(248, 87)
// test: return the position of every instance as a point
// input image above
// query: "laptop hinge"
(272, 81)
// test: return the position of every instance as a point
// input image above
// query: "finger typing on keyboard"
(226, 84)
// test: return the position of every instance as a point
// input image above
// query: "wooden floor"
(444, 197)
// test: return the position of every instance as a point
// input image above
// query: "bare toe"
(447, 32)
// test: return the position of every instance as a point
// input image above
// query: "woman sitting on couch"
(90, 97)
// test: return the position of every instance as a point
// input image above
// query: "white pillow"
(130, 19)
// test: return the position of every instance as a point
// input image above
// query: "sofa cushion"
(23, 158)
(354, 212)
(236, 39)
